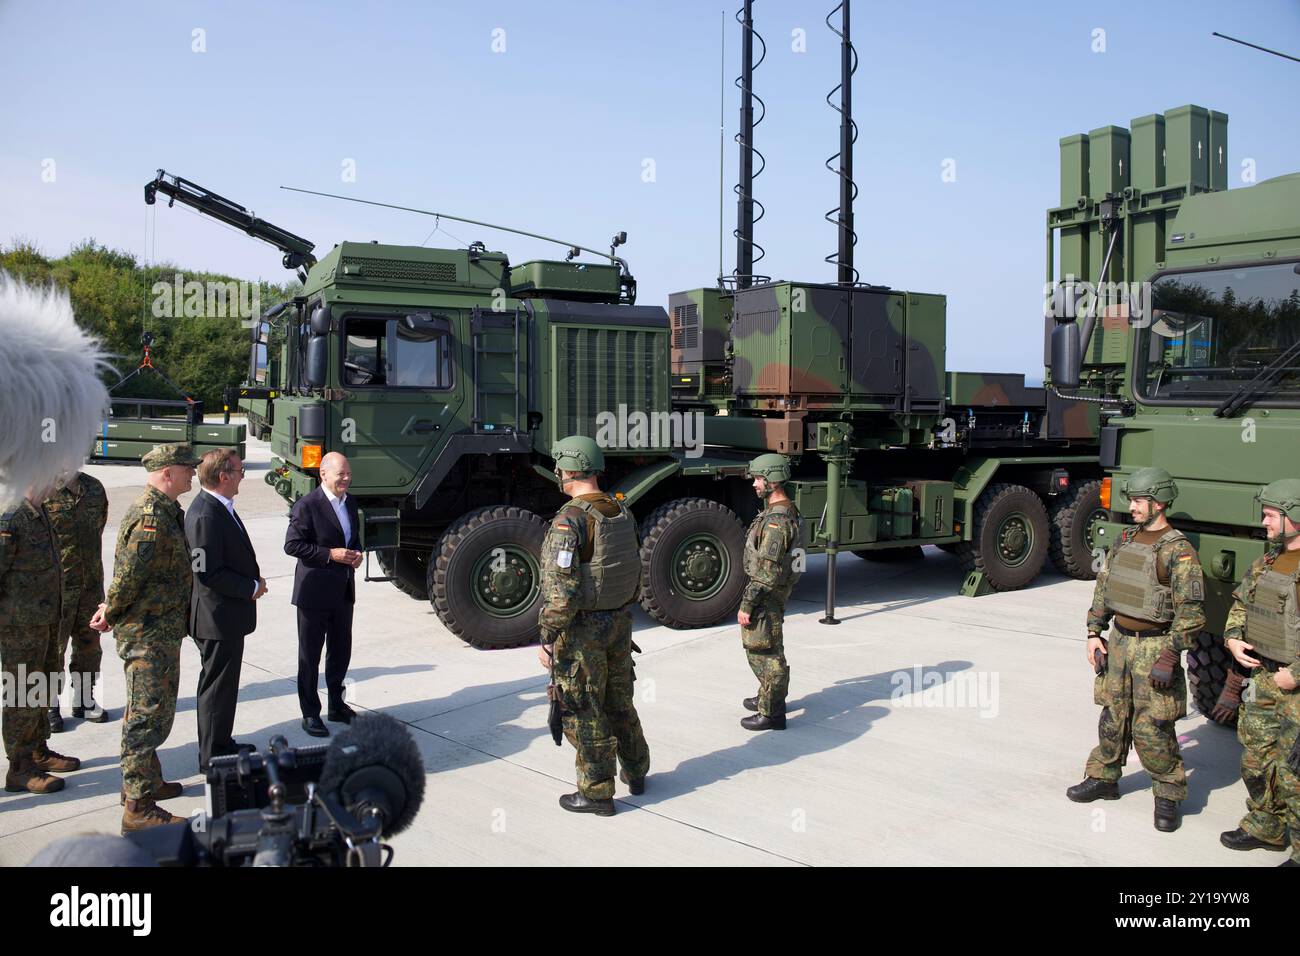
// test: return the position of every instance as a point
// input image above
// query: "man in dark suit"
(227, 583)
(324, 535)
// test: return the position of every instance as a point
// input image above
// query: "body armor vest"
(1133, 585)
(788, 576)
(611, 576)
(1272, 617)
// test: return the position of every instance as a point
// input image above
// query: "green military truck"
(1204, 379)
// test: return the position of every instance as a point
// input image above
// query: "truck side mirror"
(1067, 355)
(317, 360)
(320, 321)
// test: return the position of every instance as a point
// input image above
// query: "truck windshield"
(1213, 331)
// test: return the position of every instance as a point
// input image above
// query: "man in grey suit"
(227, 583)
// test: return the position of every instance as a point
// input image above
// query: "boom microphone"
(375, 769)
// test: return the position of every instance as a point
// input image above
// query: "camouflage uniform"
(1133, 710)
(592, 666)
(29, 620)
(147, 606)
(78, 512)
(1267, 726)
(769, 543)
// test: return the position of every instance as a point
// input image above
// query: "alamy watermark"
(209, 299)
(625, 429)
(975, 690)
(1076, 299)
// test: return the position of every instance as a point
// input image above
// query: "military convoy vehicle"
(1203, 379)
(445, 376)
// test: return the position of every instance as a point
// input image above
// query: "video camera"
(302, 806)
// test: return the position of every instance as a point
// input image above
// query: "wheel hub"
(1015, 540)
(699, 567)
(504, 581)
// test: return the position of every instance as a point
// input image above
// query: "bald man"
(324, 535)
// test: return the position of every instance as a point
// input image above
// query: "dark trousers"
(217, 695)
(331, 629)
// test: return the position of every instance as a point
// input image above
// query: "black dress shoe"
(750, 703)
(1239, 839)
(634, 787)
(314, 727)
(577, 803)
(340, 714)
(1166, 815)
(764, 722)
(1093, 789)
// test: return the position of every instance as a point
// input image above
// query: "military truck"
(1203, 381)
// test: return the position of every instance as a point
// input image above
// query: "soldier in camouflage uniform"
(78, 511)
(29, 620)
(1152, 586)
(147, 608)
(770, 543)
(1263, 634)
(591, 573)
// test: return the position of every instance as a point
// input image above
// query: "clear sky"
(547, 115)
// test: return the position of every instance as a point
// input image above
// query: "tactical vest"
(1272, 617)
(788, 576)
(1133, 586)
(611, 576)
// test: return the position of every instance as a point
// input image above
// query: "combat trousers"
(29, 685)
(153, 672)
(1265, 747)
(87, 655)
(1137, 714)
(594, 674)
(764, 643)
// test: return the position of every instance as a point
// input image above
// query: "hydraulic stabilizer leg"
(833, 440)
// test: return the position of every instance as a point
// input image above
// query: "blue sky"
(552, 134)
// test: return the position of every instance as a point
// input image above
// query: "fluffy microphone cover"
(52, 401)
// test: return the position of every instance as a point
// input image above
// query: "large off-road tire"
(485, 577)
(1009, 537)
(911, 552)
(409, 570)
(1074, 519)
(1208, 664)
(692, 563)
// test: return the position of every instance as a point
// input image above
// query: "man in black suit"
(324, 535)
(227, 583)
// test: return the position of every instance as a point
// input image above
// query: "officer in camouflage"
(591, 573)
(1152, 587)
(147, 608)
(770, 565)
(1263, 634)
(78, 511)
(29, 621)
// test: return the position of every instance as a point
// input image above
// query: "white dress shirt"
(340, 509)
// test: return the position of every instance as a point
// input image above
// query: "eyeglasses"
(241, 472)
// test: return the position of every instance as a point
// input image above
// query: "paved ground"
(927, 729)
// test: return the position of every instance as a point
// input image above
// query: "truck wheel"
(1075, 517)
(692, 563)
(1009, 537)
(911, 552)
(409, 570)
(1208, 664)
(485, 579)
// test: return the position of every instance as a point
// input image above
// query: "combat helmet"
(1283, 495)
(1154, 483)
(775, 468)
(578, 453)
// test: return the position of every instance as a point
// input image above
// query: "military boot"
(163, 789)
(764, 722)
(56, 720)
(24, 775)
(1093, 789)
(46, 759)
(1239, 839)
(144, 813)
(750, 703)
(1166, 815)
(577, 803)
(634, 787)
(84, 704)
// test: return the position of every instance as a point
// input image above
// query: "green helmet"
(1154, 483)
(775, 468)
(1284, 495)
(578, 453)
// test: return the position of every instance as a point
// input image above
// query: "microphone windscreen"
(376, 751)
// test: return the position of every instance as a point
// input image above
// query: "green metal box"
(226, 435)
(1109, 170)
(1187, 147)
(1074, 168)
(893, 510)
(1218, 150)
(1147, 152)
(153, 432)
(933, 507)
(569, 280)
